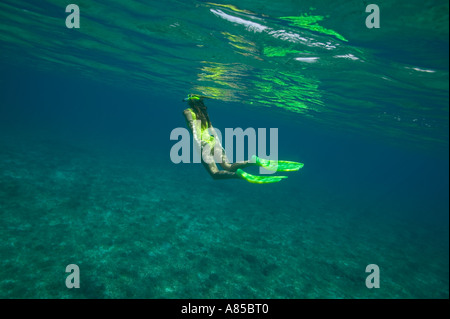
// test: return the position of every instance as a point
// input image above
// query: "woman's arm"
(192, 127)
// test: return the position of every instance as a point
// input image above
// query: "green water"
(86, 177)
(249, 52)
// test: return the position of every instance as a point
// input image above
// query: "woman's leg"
(226, 165)
(215, 173)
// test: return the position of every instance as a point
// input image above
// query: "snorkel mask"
(192, 97)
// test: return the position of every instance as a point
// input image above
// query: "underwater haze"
(86, 176)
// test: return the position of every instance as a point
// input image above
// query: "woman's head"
(196, 103)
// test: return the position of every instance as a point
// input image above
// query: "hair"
(200, 110)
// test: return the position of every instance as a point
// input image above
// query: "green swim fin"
(259, 179)
(277, 166)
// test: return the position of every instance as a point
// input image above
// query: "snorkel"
(192, 97)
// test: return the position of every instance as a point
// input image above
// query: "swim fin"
(259, 179)
(277, 166)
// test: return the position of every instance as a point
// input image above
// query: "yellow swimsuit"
(201, 132)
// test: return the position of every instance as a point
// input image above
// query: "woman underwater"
(212, 153)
